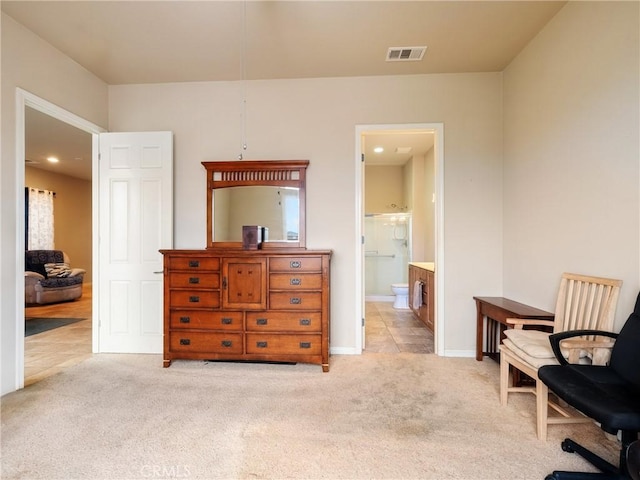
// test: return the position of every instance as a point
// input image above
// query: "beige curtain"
(40, 229)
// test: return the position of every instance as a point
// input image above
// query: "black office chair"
(609, 394)
(633, 460)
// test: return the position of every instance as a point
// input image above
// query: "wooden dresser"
(251, 305)
(423, 272)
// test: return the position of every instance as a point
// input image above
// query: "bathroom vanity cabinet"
(423, 272)
(265, 300)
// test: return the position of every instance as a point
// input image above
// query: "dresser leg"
(166, 363)
(325, 367)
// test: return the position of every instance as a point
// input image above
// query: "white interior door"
(135, 221)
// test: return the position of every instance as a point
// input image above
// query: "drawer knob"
(295, 264)
(227, 343)
(261, 344)
(305, 322)
(295, 281)
(227, 321)
(185, 341)
(194, 299)
(295, 301)
(194, 263)
(194, 280)
(305, 344)
(185, 319)
(262, 321)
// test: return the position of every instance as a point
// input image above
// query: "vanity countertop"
(424, 265)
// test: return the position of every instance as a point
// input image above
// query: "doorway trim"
(26, 99)
(438, 150)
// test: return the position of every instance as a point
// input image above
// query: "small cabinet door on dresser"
(244, 283)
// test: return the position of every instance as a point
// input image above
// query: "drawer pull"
(227, 321)
(305, 344)
(295, 281)
(261, 344)
(194, 299)
(185, 341)
(262, 321)
(295, 301)
(195, 280)
(305, 322)
(227, 343)
(185, 319)
(295, 264)
(194, 263)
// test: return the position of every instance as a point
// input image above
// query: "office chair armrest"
(530, 322)
(556, 338)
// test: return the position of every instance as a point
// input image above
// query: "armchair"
(583, 302)
(609, 394)
(48, 277)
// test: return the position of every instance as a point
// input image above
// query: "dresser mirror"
(267, 193)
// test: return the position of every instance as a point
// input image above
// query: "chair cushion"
(535, 362)
(57, 282)
(534, 343)
(598, 392)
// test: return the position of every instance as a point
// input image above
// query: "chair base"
(608, 471)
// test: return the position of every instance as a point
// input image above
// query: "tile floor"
(392, 331)
(388, 331)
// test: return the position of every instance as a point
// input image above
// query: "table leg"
(479, 330)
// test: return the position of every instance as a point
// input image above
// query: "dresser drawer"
(295, 300)
(194, 299)
(284, 322)
(283, 344)
(194, 263)
(295, 264)
(198, 319)
(194, 280)
(201, 342)
(295, 281)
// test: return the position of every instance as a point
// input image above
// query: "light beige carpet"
(401, 416)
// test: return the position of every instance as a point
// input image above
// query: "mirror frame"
(239, 173)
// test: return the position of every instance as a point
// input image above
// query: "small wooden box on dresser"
(265, 305)
(423, 272)
(267, 301)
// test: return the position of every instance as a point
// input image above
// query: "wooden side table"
(497, 310)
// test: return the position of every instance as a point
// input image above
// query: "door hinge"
(363, 321)
(362, 157)
(362, 240)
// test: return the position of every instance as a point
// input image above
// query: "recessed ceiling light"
(378, 149)
(53, 159)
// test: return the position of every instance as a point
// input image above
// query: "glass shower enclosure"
(387, 252)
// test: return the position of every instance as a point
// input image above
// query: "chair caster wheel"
(550, 477)
(566, 446)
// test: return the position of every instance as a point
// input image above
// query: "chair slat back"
(586, 302)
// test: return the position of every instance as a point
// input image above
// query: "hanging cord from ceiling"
(243, 68)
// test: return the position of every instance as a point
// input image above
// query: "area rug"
(39, 325)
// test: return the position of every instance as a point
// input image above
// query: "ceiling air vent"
(405, 54)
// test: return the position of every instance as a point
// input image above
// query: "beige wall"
(571, 171)
(33, 65)
(72, 214)
(316, 119)
(384, 186)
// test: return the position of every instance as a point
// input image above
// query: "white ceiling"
(128, 42)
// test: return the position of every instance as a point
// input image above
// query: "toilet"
(401, 291)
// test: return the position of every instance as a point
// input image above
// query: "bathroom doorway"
(398, 203)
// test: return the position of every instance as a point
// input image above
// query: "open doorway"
(399, 188)
(58, 331)
(25, 102)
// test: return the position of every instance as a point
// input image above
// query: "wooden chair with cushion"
(583, 302)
